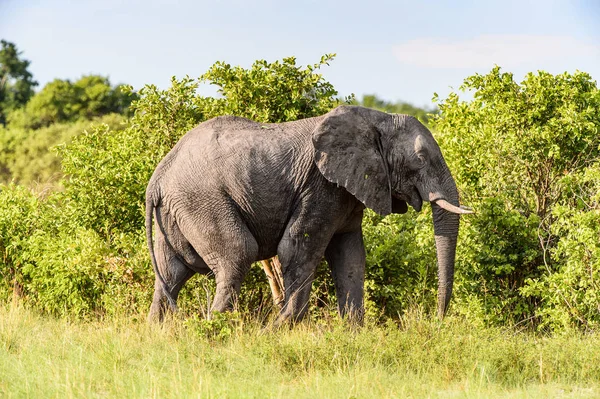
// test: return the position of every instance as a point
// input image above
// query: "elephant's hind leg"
(175, 278)
(228, 248)
(172, 267)
(233, 263)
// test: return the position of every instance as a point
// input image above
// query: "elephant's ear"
(348, 153)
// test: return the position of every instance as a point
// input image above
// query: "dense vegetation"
(525, 156)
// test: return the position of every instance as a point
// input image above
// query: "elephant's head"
(387, 161)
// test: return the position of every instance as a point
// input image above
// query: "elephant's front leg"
(299, 256)
(346, 258)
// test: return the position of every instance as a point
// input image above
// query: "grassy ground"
(227, 357)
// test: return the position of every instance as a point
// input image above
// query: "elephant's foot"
(226, 295)
(159, 310)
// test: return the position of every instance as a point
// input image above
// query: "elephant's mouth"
(413, 198)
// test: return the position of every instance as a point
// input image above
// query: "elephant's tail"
(151, 203)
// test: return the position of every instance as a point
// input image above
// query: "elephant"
(233, 191)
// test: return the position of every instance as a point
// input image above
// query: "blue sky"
(398, 50)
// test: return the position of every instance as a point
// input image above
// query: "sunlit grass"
(233, 357)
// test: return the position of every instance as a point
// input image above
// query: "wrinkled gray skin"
(234, 191)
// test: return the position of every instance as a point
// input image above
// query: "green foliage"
(272, 92)
(518, 152)
(528, 136)
(65, 101)
(26, 155)
(401, 263)
(525, 156)
(77, 273)
(19, 213)
(108, 169)
(569, 286)
(399, 107)
(16, 82)
(107, 175)
(61, 268)
(64, 274)
(498, 250)
(10, 139)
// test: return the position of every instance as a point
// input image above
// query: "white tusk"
(451, 208)
(467, 208)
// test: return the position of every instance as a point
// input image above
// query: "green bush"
(78, 273)
(19, 218)
(10, 139)
(59, 101)
(570, 285)
(401, 263)
(106, 178)
(27, 156)
(524, 155)
(272, 92)
(61, 268)
(498, 250)
(518, 141)
(65, 274)
(518, 151)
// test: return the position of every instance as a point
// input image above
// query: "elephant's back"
(204, 142)
(236, 154)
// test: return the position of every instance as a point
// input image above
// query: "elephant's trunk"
(445, 225)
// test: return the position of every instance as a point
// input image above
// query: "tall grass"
(232, 357)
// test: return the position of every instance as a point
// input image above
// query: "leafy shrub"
(10, 139)
(517, 151)
(524, 155)
(128, 278)
(27, 156)
(569, 287)
(498, 250)
(107, 175)
(401, 263)
(59, 101)
(19, 213)
(272, 92)
(58, 267)
(518, 141)
(64, 274)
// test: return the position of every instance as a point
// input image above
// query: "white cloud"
(508, 51)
